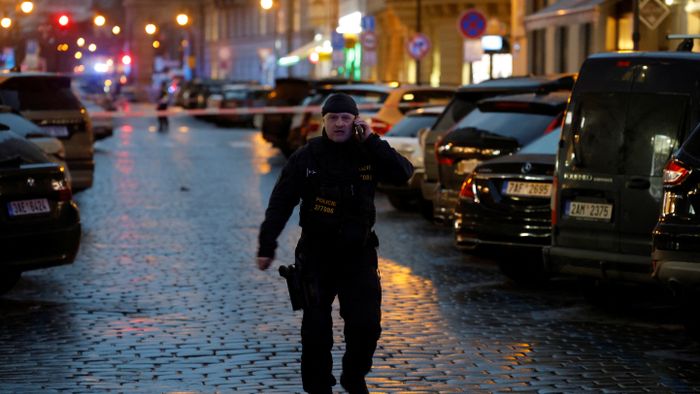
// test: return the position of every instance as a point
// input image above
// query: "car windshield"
(547, 144)
(457, 109)
(19, 124)
(522, 126)
(409, 126)
(15, 150)
(39, 94)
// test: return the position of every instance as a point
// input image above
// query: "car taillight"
(554, 124)
(467, 190)
(63, 190)
(380, 127)
(675, 172)
(554, 202)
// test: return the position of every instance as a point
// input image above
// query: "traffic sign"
(368, 40)
(418, 46)
(472, 24)
(337, 40)
(367, 23)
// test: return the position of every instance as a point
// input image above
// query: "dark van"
(628, 113)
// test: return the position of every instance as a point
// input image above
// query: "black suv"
(676, 238)
(627, 115)
(498, 126)
(463, 102)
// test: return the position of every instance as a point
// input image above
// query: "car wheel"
(9, 280)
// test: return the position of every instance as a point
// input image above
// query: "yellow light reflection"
(184, 129)
(152, 129)
(262, 152)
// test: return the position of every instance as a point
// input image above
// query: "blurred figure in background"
(163, 101)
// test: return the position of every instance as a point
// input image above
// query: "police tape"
(241, 111)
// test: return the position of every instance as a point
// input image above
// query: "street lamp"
(100, 20)
(182, 19)
(80, 41)
(266, 4)
(151, 29)
(26, 7)
(6, 22)
(116, 30)
(92, 47)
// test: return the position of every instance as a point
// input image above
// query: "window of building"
(536, 38)
(562, 48)
(587, 40)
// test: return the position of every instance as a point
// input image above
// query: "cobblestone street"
(165, 297)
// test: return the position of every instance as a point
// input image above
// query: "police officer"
(335, 177)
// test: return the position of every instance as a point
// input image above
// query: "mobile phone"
(359, 131)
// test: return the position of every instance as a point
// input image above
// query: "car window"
(457, 109)
(235, 94)
(38, 94)
(409, 126)
(412, 100)
(19, 124)
(14, 150)
(625, 133)
(367, 96)
(547, 144)
(522, 126)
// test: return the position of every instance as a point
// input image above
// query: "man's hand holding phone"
(361, 129)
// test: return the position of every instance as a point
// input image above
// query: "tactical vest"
(338, 208)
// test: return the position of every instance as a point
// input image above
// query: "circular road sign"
(368, 40)
(472, 24)
(418, 46)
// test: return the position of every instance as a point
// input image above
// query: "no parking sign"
(472, 24)
(418, 46)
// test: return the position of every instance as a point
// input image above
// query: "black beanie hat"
(339, 103)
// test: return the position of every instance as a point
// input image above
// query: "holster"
(303, 289)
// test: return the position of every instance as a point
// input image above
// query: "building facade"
(557, 36)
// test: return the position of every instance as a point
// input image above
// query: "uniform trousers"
(352, 275)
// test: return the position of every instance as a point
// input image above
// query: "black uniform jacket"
(335, 183)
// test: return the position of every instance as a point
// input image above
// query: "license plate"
(28, 207)
(589, 210)
(56, 131)
(465, 167)
(528, 189)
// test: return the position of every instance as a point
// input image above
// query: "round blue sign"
(472, 24)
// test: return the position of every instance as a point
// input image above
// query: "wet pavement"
(164, 295)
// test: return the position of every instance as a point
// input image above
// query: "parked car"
(235, 96)
(276, 126)
(51, 146)
(404, 137)
(498, 126)
(676, 250)
(48, 101)
(505, 203)
(102, 126)
(39, 221)
(628, 113)
(463, 102)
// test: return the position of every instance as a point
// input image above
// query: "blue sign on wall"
(367, 23)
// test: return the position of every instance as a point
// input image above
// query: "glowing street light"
(92, 47)
(78, 55)
(100, 20)
(26, 7)
(266, 4)
(156, 44)
(63, 20)
(151, 29)
(116, 30)
(80, 42)
(182, 19)
(6, 22)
